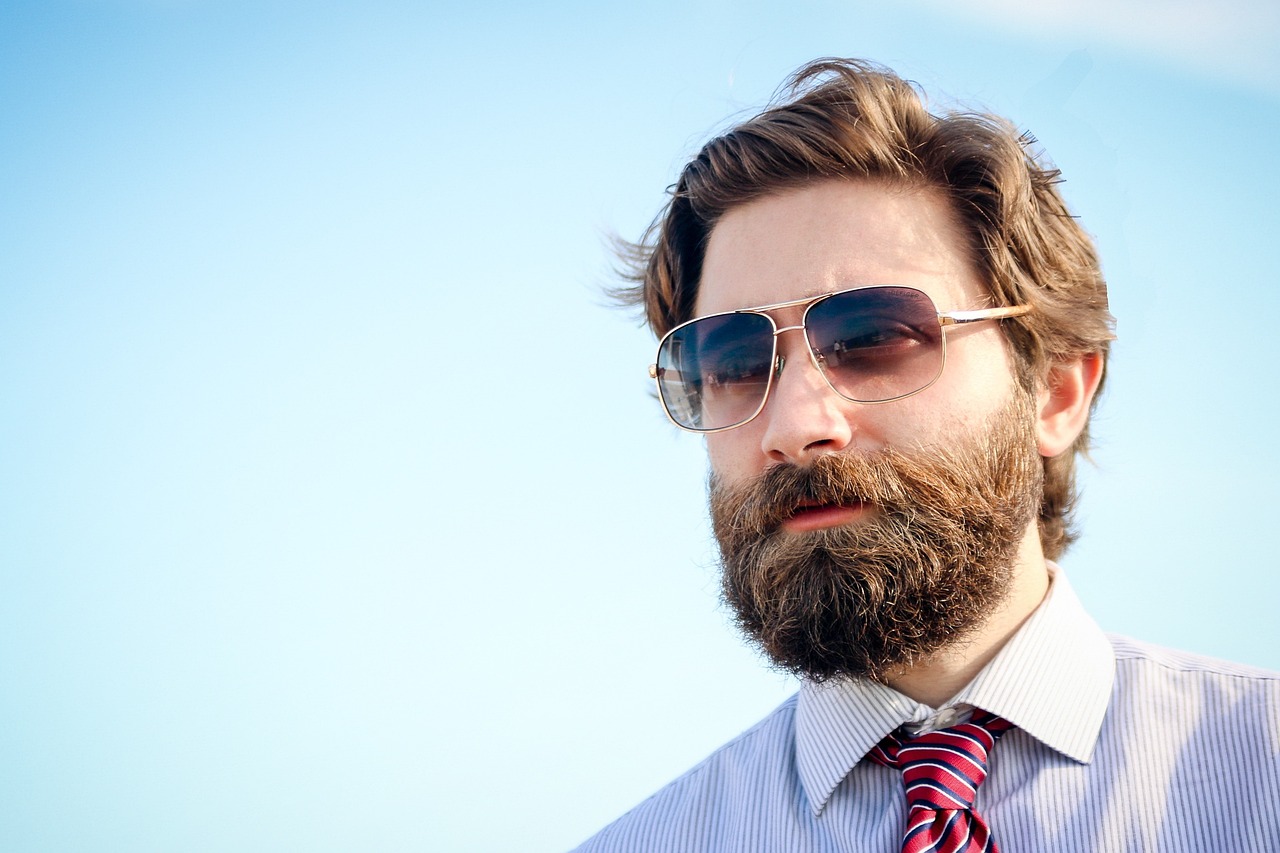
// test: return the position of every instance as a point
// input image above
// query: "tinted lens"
(878, 343)
(714, 372)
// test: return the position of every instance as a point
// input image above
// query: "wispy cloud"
(1237, 40)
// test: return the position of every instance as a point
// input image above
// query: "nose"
(804, 418)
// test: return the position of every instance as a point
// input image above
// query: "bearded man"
(892, 334)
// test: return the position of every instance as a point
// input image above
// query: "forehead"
(835, 235)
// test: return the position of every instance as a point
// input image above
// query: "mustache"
(898, 484)
(843, 479)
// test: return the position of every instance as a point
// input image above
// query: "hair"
(846, 119)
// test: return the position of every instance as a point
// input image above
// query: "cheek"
(735, 455)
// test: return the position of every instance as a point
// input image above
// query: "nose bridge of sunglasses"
(801, 350)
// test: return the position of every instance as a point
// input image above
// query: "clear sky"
(335, 512)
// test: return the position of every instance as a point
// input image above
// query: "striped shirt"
(1117, 745)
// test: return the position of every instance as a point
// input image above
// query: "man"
(892, 334)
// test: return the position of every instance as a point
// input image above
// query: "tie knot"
(943, 769)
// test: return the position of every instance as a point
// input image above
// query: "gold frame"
(946, 320)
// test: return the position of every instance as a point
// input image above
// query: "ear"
(1064, 400)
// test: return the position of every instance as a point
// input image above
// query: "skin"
(839, 234)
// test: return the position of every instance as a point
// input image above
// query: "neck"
(933, 681)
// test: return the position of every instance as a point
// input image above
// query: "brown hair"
(848, 119)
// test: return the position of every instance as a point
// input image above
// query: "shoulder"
(1139, 657)
(1197, 740)
(754, 769)
(1168, 689)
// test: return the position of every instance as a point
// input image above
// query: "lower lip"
(822, 517)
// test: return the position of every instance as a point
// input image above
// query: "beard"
(918, 572)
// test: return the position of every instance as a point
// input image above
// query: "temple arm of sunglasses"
(955, 318)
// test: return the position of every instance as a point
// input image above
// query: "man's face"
(832, 236)
(861, 539)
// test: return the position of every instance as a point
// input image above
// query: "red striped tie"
(941, 772)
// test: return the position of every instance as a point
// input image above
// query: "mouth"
(820, 516)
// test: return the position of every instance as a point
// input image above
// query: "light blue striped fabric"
(1118, 746)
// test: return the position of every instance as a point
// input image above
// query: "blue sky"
(335, 512)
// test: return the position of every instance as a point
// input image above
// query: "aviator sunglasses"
(871, 345)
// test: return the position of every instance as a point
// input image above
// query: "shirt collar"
(1052, 680)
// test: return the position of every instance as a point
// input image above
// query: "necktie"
(941, 772)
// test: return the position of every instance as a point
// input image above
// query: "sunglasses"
(871, 344)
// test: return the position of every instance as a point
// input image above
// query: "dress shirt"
(1117, 746)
